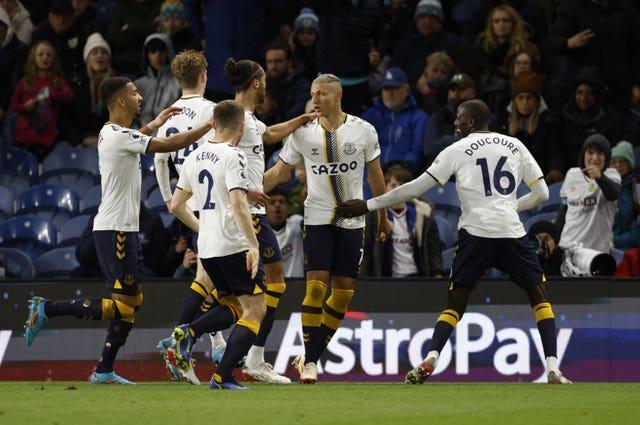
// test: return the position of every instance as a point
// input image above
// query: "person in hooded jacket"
(587, 113)
(158, 86)
(626, 230)
(589, 193)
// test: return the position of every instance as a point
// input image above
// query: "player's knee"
(273, 294)
(316, 290)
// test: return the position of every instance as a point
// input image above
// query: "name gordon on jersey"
(334, 168)
(491, 141)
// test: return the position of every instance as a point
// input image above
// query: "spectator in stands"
(566, 261)
(304, 40)
(38, 98)
(15, 50)
(398, 120)
(589, 194)
(66, 35)
(20, 20)
(174, 23)
(158, 87)
(289, 231)
(86, 116)
(348, 46)
(587, 113)
(524, 61)
(412, 52)
(440, 132)
(399, 21)
(529, 121)
(432, 84)
(413, 248)
(601, 34)
(86, 16)
(504, 36)
(626, 229)
(187, 269)
(131, 23)
(286, 82)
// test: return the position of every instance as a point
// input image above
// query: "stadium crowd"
(562, 76)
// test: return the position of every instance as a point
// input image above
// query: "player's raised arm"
(279, 173)
(375, 177)
(277, 132)
(242, 216)
(416, 187)
(150, 128)
(161, 164)
(178, 141)
(179, 208)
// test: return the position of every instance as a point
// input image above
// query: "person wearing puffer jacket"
(158, 87)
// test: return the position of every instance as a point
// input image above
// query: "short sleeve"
(183, 180)
(444, 166)
(291, 152)
(133, 141)
(531, 171)
(236, 171)
(372, 148)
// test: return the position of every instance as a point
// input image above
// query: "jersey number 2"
(498, 174)
(206, 175)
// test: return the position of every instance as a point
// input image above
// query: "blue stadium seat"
(76, 168)
(155, 202)
(31, 234)
(52, 202)
(617, 254)
(445, 197)
(548, 216)
(17, 262)
(91, 200)
(445, 231)
(18, 168)
(554, 202)
(447, 259)
(72, 230)
(56, 263)
(6, 203)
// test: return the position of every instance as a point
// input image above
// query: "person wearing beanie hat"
(626, 231)
(589, 195)
(412, 51)
(94, 41)
(306, 30)
(173, 23)
(545, 236)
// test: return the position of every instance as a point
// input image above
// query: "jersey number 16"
(498, 175)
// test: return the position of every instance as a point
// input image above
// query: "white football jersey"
(335, 164)
(119, 150)
(589, 219)
(488, 168)
(196, 110)
(253, 147)
(210, 174)
(290, 240)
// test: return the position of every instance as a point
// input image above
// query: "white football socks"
(255, 357)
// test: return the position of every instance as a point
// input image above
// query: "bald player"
(115, 228)
(336, 149)
(488, 167)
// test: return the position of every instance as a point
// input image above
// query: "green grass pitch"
(326, 403)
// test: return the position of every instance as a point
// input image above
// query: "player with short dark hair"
(115, 227)
(336, 148)
(488, 167)
(216, 176)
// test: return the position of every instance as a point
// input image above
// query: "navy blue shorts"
(231, 276)
(474, 255)
(269, 248)
(333, 249)
(120, 257)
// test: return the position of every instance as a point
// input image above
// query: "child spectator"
(626, 231)
(432, 84)
(38, 98)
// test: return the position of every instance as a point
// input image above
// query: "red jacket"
(25, 132)
(630, 264)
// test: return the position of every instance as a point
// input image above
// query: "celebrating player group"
(218, 152)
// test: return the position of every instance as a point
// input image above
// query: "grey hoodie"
(158, 89)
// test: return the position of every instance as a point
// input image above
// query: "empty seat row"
(57, 263)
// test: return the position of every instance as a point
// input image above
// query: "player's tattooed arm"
(153, 126)
(375, 177)
(178, 140)
(278, 132)
(179, 208)
(279, 173)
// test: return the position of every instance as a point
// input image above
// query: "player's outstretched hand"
(253, 260)
(257, 198)
(352, 208)
(164, 116)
